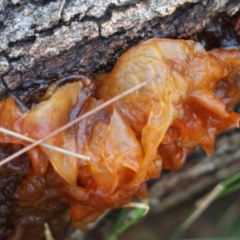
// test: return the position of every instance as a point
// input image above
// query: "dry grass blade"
(202, 204)
(61, 8)
(105, 104)
(48, 233)
(57, 149)
(138, 205)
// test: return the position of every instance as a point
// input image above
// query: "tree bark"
(43, 41)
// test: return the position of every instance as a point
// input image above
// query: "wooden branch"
(41, 41)
(38, 45)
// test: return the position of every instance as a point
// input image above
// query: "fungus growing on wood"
(187, 103)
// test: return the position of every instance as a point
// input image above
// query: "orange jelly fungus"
(129, 142)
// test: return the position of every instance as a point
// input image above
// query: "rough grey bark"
(40, 41)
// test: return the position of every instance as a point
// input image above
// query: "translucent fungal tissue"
(187, 103)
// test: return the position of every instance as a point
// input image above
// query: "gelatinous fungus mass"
(187, 104)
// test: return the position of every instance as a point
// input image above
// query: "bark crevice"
(89, 36)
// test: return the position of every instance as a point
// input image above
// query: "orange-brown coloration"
(187, 104)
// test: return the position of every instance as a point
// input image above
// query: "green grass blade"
(231, 180)
(181, 230)
(125, 221)
(229, 190)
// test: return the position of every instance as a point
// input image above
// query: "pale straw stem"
(57, 149)
(85, 115)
